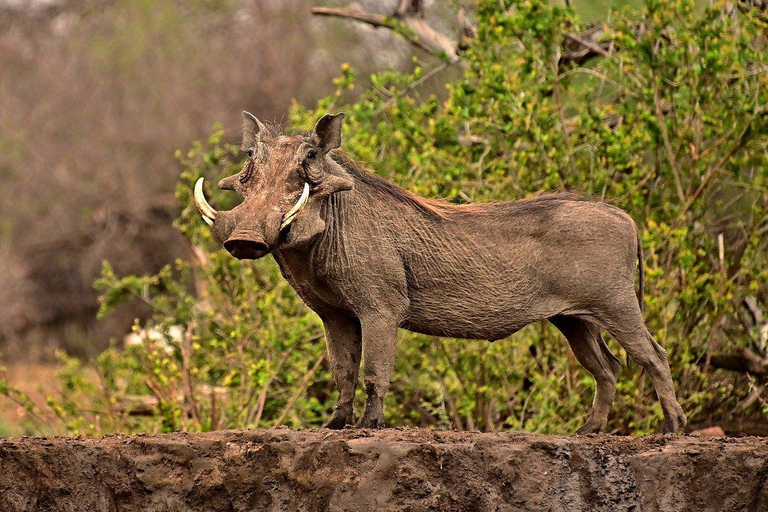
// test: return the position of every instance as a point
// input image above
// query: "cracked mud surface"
(414, 470)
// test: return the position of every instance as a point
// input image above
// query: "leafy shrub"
(670, 126)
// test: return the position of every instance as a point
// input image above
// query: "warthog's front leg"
(379, 340)
(344, 341)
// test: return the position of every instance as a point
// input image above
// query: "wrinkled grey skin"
(369, 257)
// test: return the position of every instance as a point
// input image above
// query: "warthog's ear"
(251, 129)
(328, 130)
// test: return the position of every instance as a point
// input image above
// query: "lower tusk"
(291, 215)
(206, 210)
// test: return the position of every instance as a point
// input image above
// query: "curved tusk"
(206, 210)
(293, 212)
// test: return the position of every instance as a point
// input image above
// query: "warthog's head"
(283, 183)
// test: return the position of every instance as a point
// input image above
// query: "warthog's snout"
(244, 247)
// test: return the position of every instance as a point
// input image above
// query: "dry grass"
(37, 381)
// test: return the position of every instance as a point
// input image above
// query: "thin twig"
(588, 44)
(667, 144)
(561, 114)
(413, 86)
(186, 377)
(254, 417)
(299, 391)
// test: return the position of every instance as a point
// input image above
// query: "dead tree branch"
(753, 362)
(579, 48)
(409, 21)
(743, 361)
(375, 20)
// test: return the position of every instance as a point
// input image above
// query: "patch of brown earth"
(414, 470)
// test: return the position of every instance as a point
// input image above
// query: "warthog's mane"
(437, 208)
(431, 207)
(443, 209)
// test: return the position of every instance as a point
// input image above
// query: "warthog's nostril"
(246, 249)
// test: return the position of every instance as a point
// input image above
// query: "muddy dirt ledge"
(414, 470)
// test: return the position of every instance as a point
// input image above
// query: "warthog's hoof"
(341, 419)
(591, 427)
(672, 422)
(371, 422)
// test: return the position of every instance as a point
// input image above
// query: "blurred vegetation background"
(96, 98)
(658, 108)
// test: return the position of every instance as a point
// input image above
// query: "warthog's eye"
(312, 153)
(250, 153)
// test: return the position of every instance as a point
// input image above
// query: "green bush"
(671, 126)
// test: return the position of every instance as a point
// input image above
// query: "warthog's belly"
(457, 330)
(475, 320)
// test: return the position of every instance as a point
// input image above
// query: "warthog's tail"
(641, 279)
(641, 270)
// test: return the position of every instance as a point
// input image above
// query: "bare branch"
(756, 315)
(744, 361)
(662, 120)
(408, 20)
(435, 41)
(299, 391)
(580, 45)
(376, 20)
(584, 46)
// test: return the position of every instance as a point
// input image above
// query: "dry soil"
(414, 470)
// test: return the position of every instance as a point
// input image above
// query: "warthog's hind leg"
(627, 326)
(344, 341)
(653, 358)
(590, 350)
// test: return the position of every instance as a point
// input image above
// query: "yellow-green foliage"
(671, 127)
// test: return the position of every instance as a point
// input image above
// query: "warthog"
(370, 257)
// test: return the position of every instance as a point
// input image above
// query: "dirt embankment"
(277, 470)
